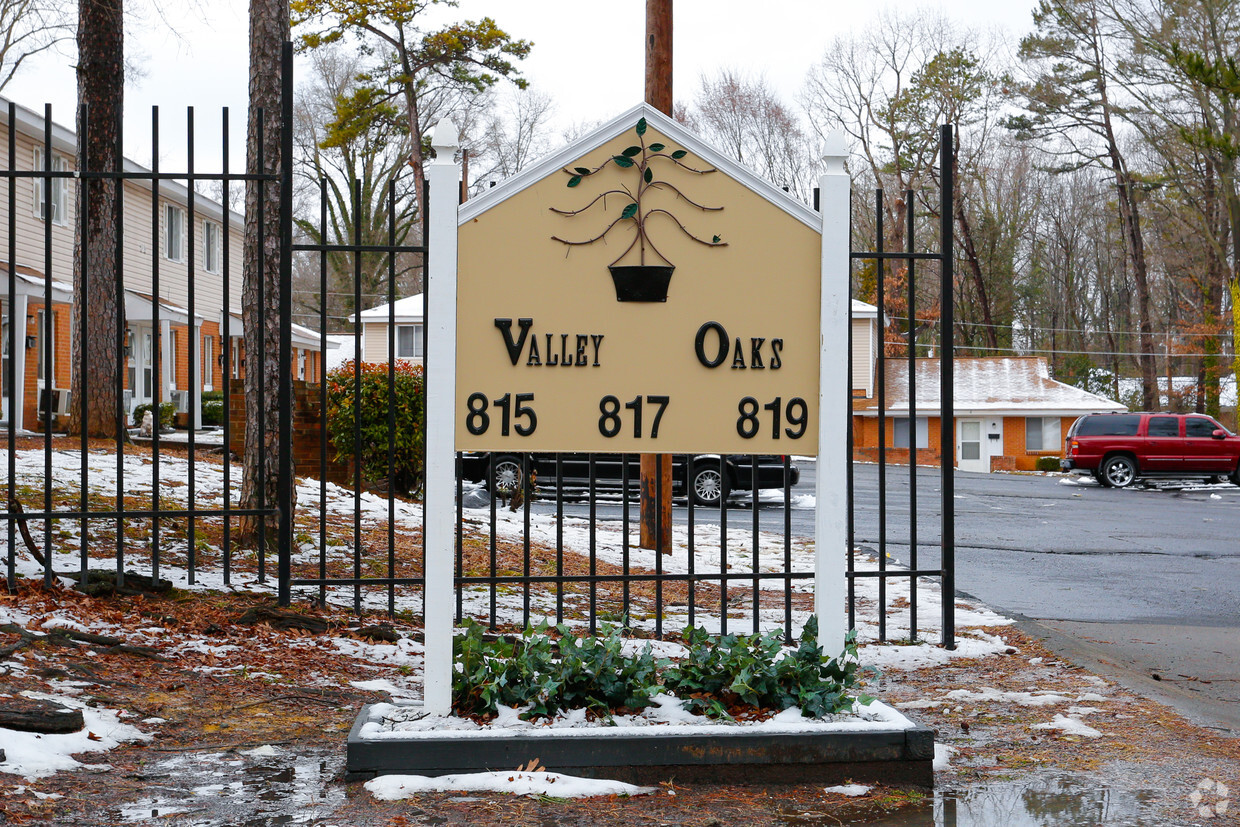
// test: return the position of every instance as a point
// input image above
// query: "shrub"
(213, 408)
(167, 414)
(1048, 464)
(719, 675)
(371, 413)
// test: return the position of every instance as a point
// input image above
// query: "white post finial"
(445, 140)
(834, 152)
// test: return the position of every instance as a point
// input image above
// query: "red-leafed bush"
(361, 431)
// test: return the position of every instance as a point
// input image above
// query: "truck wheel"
(1119, 471)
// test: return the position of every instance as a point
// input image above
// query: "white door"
(971, 454)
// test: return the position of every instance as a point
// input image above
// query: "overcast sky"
(588, 55)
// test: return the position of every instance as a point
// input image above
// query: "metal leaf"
(629, 211)
(631, 151)
(581, 170)
(574, 181)
(649, 176)
(641, 127)
(657, 147)
(678, 154)
(621, 161)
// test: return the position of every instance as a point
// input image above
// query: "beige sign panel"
(563, 343)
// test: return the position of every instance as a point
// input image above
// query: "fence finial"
(834, 152)
(445, 140)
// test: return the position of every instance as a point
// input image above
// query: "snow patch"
(397, 787)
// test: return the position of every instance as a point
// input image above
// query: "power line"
(1024, 350)
(1063, 329)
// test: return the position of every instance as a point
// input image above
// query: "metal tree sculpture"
(643, 281)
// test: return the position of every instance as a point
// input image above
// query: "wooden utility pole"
(656, 496)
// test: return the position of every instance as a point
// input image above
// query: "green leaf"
(657, 147)
(629, 211)
(641, 127)
(621, 161)
(648, 175)
(714, 240)
(581, 170)
(574, 181)
(631, 151)
(678, 154)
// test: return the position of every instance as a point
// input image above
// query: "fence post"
(831, 469)
(947, 410)
(438, 511)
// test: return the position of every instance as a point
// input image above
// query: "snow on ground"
(33, 755)
(851, 790)
(401, 663)
(395, 787)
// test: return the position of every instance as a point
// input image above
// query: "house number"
(796, 413)
(610, 422)
(478, 420)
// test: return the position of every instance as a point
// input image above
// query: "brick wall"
(307, 418)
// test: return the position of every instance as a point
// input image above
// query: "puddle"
(1047, 801)
(213, 788)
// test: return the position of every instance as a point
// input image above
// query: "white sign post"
(438, 503)
(831, 511)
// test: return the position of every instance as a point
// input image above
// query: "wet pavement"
(249, 790)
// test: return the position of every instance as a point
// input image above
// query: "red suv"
(1121, 448)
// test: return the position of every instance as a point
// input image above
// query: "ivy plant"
(549, 669)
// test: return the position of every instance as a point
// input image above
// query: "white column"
(834, 407)
(167, 367)
(439, 517)
(195, 375)
(17, 359)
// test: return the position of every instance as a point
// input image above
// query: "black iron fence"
(556, 541)
(909, 258)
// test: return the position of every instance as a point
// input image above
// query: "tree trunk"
(269, 28)
(96, 288)
(979, 280)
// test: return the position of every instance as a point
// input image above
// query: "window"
(1199, 426)
(301, 364)
(409, 341)
(1041, 433)
(174, 233)
(210, 247)
(899, 434)
(208, 363)
(59, 216)
(1164, 426)
(1108, 425)
(236, 357)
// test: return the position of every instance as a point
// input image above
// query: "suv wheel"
(709, 488)
(1119, 471)
(1235, 476)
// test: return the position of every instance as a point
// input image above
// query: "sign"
(638, 294)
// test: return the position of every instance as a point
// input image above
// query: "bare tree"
(745, 119)
(28, 27)
(514, 133)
